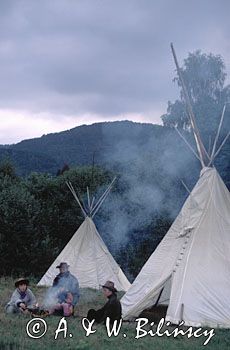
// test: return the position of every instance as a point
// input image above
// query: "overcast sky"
(65, 63)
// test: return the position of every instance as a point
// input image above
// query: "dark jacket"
(70, 284)
(111, 309)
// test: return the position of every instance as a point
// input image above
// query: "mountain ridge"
(125, 144)
(78, 145)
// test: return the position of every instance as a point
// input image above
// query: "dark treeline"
(38, 216)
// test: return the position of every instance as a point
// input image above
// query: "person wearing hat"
(65, 283)
(22, 298)
(111, 309)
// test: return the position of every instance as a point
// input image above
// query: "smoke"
(51, 297)
(151, 160)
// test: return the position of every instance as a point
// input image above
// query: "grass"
(13, 330)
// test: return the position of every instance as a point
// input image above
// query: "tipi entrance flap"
(165, 295)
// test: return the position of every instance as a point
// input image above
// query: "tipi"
(190, 269)
(86, 253)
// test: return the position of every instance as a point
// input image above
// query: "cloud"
(16, 125)
(101, 58)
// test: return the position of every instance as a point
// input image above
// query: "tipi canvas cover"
(192, 261)
(89, 258)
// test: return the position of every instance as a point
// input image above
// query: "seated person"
(21, 299)
(66, 282)
(63, 308)
(111, 309)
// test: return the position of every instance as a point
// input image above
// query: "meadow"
(13, 333)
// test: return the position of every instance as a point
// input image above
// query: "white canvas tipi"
(86, 253)
(192, 262)
(190, 269)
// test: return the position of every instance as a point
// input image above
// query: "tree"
(204, 76)
(17, 212)
(7, 169)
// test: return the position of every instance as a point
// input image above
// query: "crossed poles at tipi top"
(92, 208)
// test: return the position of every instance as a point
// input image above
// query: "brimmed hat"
(110, 285)
(62, 264)
(21, 280)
